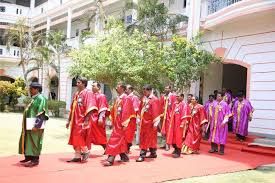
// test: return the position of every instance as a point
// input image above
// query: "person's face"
(33, 91)
(167, 90)
(240, 99)
(189, 98)
(193, 100)
(95, 88)
(119, 89)
(128, 91)
(146, 93)
(211, 99)
(179, 98)
(80, 85)
(219, 97)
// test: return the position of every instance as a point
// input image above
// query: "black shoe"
(152, 156)
(176, 155)
(175, 151)
(221, 153)
(140, 159)
(124, 157)
(212, 151)
(107, 163)
(32, 164)
(85, 156)
(25, 160)
(74, 160)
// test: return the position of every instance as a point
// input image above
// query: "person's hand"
(85, 124)
(100, 121)
(34, 129)
(67, 124)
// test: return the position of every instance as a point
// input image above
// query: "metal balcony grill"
(216, 5)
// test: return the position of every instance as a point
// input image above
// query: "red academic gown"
(121, 114)
(179, 116)
(98, 132)
(194, 133)
(150, 113)
(83, 103)
(166, 103)
(131, 128)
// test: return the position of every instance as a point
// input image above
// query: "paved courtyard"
(55, 141)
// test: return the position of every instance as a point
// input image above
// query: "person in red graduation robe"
(195, 127)
(98, 128)
(121, 114)
(180, 115)
(83, 109)
(149, 120)
(130, 131)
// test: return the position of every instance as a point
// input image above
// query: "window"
(18, 53)
(1, 51)
(171, 2)
(77, 32)
(184, 3)
(129, 19)
(17, 11)
(61, 2)
(42, 10)
(14, 52)
(2, 9)
(20, 11)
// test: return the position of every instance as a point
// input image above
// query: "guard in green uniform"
(34, 117)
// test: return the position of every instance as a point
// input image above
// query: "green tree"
(186, 61)
(137, 60)
(154, 18)
(19, 34)
(119, 56)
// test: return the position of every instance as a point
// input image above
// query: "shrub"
(55, 105)
(10, 92)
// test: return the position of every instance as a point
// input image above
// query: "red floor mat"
(53, 167)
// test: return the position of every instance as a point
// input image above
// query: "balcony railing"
(216, 5)
(13, 52)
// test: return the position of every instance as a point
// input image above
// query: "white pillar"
(194, 13)
(48, 24)
(98, 23)
(194, 7)
(32, 4)
(69, 23)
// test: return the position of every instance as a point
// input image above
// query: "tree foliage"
(137, 59)
(154, 18)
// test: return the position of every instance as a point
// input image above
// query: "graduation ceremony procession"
(137, 91)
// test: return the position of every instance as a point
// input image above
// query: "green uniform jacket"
(30, 143)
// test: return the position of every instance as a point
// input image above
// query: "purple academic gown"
(218, 134)
(241, 113)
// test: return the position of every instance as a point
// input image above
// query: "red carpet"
(53, 168)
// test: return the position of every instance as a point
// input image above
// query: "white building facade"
(242, 32)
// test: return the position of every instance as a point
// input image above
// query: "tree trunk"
(46, 80)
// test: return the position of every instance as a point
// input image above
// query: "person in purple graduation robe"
(227, 96)
(242, 113)
(218, 126)
(208, 107)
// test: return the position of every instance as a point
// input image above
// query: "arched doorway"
(230, 74)
(7, 78)
(234, 77)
